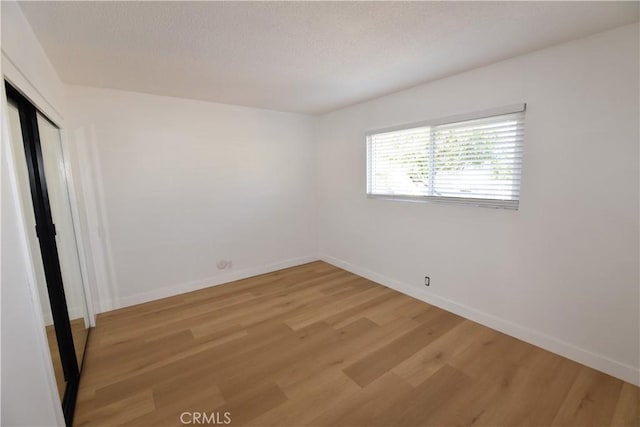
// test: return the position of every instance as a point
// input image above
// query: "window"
(473, 160)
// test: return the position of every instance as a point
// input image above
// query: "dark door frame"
(46, 232)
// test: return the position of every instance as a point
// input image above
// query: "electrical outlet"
(427, 280)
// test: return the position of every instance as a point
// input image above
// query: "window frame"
(467, 201)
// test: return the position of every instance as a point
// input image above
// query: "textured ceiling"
(307, 57)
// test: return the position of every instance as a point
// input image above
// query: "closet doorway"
(44, 192)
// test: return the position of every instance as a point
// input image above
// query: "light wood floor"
(315, 345)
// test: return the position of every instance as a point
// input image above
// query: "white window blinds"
(473, 161)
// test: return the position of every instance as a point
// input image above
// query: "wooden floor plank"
(316, 394)
(367, 405)
(419, 367)
(383, 360)
(591, 401)
(627, 412)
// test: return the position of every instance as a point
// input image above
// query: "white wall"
(182, 184)
(561, 272)
(29, 395)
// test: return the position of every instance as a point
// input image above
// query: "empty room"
(329, 214)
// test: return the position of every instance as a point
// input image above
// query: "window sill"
(483, 203)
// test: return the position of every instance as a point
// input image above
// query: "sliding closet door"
(59, 200)
(25, 193)
(42, 176)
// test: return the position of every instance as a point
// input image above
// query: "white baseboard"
(170, 291)
(596, 361)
